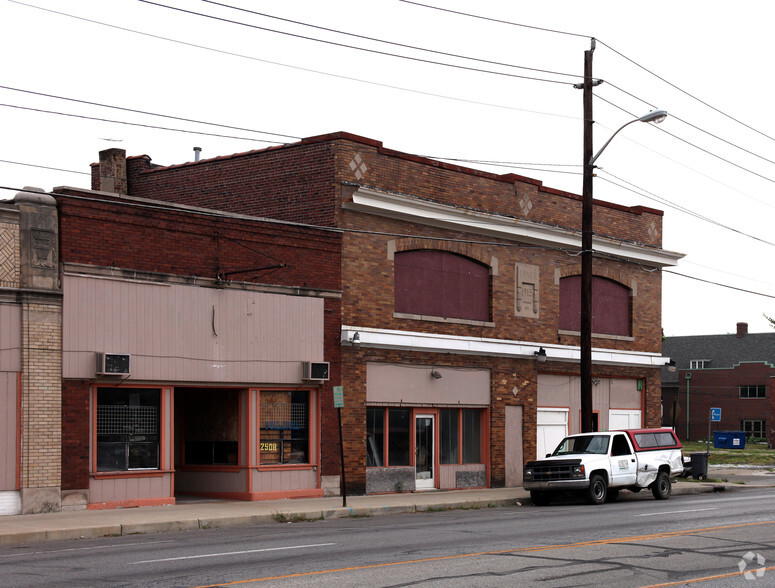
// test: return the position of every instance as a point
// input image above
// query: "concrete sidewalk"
(210, 514)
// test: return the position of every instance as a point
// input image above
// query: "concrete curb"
(162, 520)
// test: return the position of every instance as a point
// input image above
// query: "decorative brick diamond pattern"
(358, 166)
(9, 256)
(526, 205)
(653, 232)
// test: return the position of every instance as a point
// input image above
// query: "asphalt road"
(636, 542)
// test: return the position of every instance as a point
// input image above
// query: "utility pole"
(587, 203)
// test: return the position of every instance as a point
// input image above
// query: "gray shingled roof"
(723, 351)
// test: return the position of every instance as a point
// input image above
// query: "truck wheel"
(540, 498)
(661, 486)
(612, 495)
(598, 489)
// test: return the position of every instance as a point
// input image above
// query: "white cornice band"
(441, 215)
(428, 342)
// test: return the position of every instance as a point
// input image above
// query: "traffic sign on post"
(715, 415)
(338, 396)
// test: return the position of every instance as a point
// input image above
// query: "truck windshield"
(583, 444)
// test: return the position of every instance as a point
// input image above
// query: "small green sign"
(338, 396)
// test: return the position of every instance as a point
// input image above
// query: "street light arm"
(656, 116)
(594, 158)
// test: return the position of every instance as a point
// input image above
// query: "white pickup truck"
(598, 465)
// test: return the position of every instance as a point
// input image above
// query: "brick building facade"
(733, 372)
(455, 283)
(30, 355)
(216, 314)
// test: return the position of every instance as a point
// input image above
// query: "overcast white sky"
(710, 166)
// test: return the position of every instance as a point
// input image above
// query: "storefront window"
(284, 436)
(449, 435)
(398, 420)
(128, 429)
(375, 437)
(398, 438)
(472, 435)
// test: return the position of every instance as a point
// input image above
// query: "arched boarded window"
(611, 306)
(442, 284)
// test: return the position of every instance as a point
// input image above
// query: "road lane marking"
(147, 561)
(651, 514)
(538, 548)
(93, 547)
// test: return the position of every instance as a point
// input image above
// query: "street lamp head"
(655, 116)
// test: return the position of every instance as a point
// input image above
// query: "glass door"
(424, 454)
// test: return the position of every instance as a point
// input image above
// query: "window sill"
(129, 474)
(441, 319)
(286, 466)
(598, 335)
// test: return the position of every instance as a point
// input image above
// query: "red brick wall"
(720, 388)
(122, 236)
(75, 434)
(293, 183)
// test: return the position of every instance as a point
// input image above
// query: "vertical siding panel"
(8, 431)
(169, 331)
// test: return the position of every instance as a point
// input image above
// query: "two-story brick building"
(734, 372)
(460, 302)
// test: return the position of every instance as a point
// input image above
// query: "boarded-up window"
(611, 306)
(441, 284)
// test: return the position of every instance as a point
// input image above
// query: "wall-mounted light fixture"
(540, 355)
(435, 375)
(355, 340)
(671, 367)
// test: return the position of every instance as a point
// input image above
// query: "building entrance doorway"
(424, 451)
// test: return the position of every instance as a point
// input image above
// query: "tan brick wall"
(41, 393)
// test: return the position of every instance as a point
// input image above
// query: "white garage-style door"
(624, 419)
(552, 427)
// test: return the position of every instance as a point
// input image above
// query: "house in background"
(734, 372)
(460, 304)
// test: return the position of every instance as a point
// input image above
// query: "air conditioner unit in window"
(113, 364)
(314, 370)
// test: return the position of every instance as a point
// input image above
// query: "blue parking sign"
(715, 415)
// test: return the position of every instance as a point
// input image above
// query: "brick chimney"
(742, 330)
(113, 171)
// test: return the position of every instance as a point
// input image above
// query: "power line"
(169, 116)
(121, 122)
(697, 147)
(295, 67)
(687, 123)
(393, 43)
(354, 47)
(514, 24)
(646, 194)
(633, 62)
(693, 97)
(69, 171)
(719, 284)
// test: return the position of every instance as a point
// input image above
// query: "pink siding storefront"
(211, 400)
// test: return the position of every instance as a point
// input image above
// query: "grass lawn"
(754, 454)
